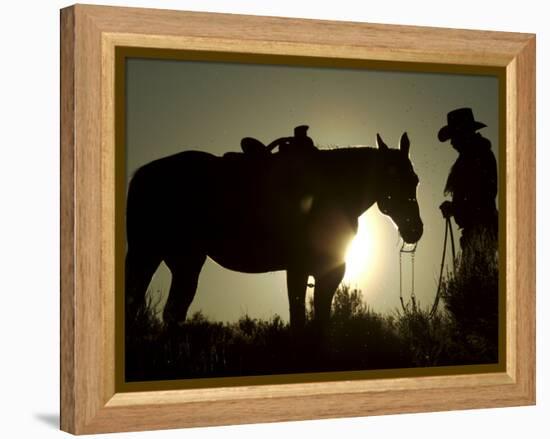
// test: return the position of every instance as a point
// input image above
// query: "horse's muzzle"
(412, 235)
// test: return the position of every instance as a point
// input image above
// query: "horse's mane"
(348, 155)
(339, 149)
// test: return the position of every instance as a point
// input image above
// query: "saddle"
(253, 148)
(299, 142)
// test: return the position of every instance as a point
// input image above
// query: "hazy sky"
(187, 105)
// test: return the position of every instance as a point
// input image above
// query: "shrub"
(464, 332)
(427, 336)
(471, 298)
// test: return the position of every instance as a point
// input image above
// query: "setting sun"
(359, 253)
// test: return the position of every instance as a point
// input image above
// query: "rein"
(448, 232)
(412, 252)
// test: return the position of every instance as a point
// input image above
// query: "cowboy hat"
(459, 121)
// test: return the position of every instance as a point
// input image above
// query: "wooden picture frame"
(90, 35)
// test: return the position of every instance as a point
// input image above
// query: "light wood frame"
(89, 36)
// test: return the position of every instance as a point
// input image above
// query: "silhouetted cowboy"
(472, 181)
(300, 142)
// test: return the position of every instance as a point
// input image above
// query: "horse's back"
(174, 166)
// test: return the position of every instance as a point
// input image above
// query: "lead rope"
(452, 244)
(448, 230)
(401, 280)
(413, 295)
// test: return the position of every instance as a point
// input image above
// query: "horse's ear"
(405, 144)
(380, 143)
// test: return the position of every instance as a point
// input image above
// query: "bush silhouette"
(471, 299)
(465, 331)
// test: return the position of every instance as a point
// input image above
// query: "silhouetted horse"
(281, 212)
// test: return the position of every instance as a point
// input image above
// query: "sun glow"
(359, 254)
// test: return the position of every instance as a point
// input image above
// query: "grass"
(463, 331)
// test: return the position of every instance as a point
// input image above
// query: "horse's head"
(397, 190)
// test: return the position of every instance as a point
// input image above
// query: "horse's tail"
(142, 252)
(144, 205)
(136, 202)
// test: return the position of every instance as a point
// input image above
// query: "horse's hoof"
(173, 323)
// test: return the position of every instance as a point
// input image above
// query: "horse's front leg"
(326, 284)
(296, 281)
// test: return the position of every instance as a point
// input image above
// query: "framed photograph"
(268, 219)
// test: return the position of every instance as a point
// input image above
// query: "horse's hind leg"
(185, 275)
(140, 265)
(296, 281)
